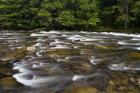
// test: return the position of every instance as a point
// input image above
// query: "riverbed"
(69, 62)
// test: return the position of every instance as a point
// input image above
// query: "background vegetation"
(69, 14)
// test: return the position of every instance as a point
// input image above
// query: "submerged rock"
(31, 49)
(8, 82)
(80, 68)
(136, 81)
(135, 55)
(133, 67)
(98, 80)
(17, 54)
(120, 83)
(82, 89)
(101, 47)
(6, 71)
(62, 52)
(118, 67)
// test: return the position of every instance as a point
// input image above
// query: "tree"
(66, 18)
(69, 14)
(135, 12)
(124, 8)
(108, 12)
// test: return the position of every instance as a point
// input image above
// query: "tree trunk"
(126, 13)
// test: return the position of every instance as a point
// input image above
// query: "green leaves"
(66, 18)
(93, 21)
(121, 13)
(44, 14)
(72, 14)
(136, 8)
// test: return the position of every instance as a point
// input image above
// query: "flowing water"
(69, 62)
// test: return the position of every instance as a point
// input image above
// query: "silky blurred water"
(56, 61)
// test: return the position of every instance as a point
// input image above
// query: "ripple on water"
(31, 80)
(125, 67)
(62, 59)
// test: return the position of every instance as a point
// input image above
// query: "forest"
(86, 15)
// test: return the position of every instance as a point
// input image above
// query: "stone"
(8, 82)
(100, 47)
(121, 89)
(135, 55)
(80, 68)
(6, 71)
(17, 54)
(136, 81)
(31, 49)
(62, 52)
(82, 89)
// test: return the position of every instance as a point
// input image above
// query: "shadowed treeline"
(69, 14)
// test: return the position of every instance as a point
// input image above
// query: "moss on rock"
(17, 54)
(135, 54)
(83, 89)
(8, 82)
(63, 52)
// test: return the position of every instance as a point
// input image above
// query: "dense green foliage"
(69, 14)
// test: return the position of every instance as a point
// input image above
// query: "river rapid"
(69, 62)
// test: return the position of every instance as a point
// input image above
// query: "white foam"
(60, 47)
(21, 67)
(136, 39)
(122, 43)
(37, 81)
(118, 67)
(3, 38)
(40, 40)
(76, 38)
(50, 32)
(43, 64)
(78, 77)
(76, 47)
(92, 60)
(125, 43)
(134, 69)
(37, 44)
(137, 48)
(34, 82)
(38, 54)
(121, 34)
(64, 35)
(56, 41)
(95, 61)
(89, 39)
(37, 35)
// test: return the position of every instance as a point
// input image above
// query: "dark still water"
(69, 62)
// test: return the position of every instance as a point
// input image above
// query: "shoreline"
(99, 29)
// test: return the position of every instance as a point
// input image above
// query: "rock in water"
(8, 83)
(83, 89)
(31, 49)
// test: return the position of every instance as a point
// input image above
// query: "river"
(69, 62)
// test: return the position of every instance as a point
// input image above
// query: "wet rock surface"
(69, 62)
